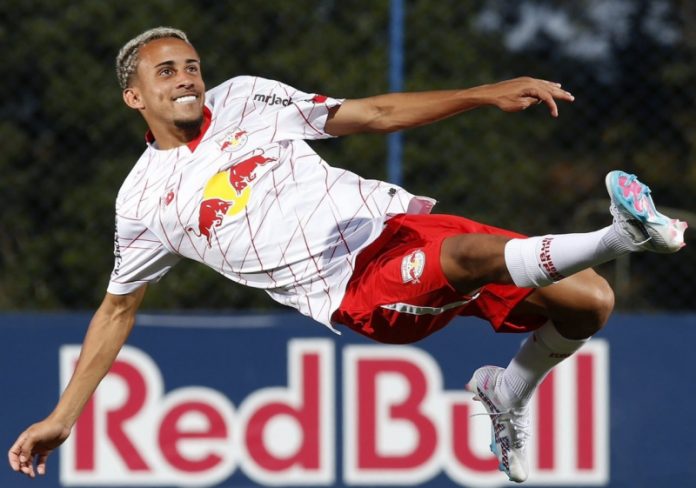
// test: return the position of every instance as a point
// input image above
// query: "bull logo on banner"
(400, 426)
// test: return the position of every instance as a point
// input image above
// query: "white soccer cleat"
(509, 426)
(636, 217)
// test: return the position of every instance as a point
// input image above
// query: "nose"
(184, 79)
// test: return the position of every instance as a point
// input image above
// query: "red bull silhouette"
(223, 193)
(244, 172)
(210, 215)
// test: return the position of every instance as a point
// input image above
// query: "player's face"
(169, 84)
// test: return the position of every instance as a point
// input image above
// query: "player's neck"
(173, 136)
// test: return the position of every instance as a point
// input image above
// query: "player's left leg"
(576, 308)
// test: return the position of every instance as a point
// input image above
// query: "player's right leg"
(470, 260)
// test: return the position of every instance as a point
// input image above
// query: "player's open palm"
(35, 444)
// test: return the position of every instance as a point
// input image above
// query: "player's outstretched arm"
(396, 111)
(106, 334)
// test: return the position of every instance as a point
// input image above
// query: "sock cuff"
(522, 264)
(549, 336)
(618, 243)
(522, 388)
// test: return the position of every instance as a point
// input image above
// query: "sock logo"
(546, 261)
(559, 355)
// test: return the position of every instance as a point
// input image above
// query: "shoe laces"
(622, 220)
(517, 419)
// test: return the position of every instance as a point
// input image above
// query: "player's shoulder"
(242, 88)
(238, 87)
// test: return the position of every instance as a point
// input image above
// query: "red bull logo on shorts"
(412, 266)
(400, 426)
(227, 194)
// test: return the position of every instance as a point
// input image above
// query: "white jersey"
(250, 199)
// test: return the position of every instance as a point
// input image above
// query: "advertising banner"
(277, 400)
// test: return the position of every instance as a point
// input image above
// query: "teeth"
(186, 99)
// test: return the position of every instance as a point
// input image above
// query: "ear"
(131, 96)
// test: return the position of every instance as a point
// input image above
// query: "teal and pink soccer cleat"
(636, 217)
(509, 426)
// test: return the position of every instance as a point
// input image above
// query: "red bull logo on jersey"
(400, 426)
(233, 140)
(227, 194)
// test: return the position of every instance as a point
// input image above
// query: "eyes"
(168, 71)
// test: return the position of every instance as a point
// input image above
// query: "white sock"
(540, 352)
(540, 261)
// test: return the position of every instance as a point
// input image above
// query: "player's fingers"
(41, 464)
(13, 459)
(560, 94)
(26, 455)
(548, 99)
(27, 467)
(15, 451)
(558, 85)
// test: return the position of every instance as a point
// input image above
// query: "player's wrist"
(479, 96)
(62, 418)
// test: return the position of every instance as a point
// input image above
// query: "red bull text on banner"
(399, 425)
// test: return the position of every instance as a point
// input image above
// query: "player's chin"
(189, 121)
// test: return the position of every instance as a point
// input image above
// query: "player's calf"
(579, 306)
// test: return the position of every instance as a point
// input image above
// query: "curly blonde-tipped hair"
(128, 56)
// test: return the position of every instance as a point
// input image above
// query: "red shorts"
(398, 293)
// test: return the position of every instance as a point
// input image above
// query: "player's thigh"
(584, 299)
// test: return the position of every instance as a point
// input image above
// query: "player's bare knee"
(597, 301)
(603, 299)
(580, 305)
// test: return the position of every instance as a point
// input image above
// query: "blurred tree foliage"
(68, 140)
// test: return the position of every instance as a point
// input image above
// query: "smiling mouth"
(186, 99)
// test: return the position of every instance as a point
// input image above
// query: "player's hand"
(35, 444)
(521, 93)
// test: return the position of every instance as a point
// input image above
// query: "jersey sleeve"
(139, 257)
(286, 112)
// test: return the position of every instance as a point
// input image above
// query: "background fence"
(68, 140)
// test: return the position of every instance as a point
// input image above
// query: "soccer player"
(228, 180)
